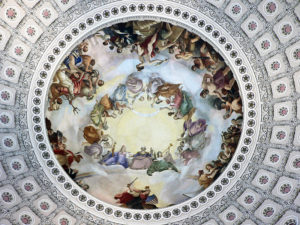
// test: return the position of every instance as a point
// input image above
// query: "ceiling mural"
(158, 112)
(153, 106)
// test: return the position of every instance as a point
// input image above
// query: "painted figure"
(101, 110)
(117, 158)
(165, 47)
(186, 106)
(152, 86)
(187, 154)
(141, 160)
(137, 198)
(75, 59)
(135, 86)
(119, 99)
(96, 139)
(160, 164)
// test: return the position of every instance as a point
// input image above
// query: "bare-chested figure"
(206, 59)
(234, 106)
(187, 45)
(168, 38)
(213, 84)
(145, 51)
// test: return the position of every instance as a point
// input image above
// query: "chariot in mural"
(140, 107)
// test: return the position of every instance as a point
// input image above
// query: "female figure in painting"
(162, 163)
(183, 105)
(93, 137)
(186, 107)
(179, 100)
(194, 134)
(193, 128)
(119, 98)
(118, 158)
(127, 197)
(101, 109)
(141, 160)
(135, 86)
(99, 142)
(107, 106)
(152, 86)
(187, 154)
(207, 177)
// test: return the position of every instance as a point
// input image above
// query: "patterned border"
(120, 12)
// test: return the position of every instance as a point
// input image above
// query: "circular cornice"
(169, 12)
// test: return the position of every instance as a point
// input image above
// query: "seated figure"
(160, 164)
(118, 158)
(141, 160)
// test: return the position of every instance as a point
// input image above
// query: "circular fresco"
(144, 114)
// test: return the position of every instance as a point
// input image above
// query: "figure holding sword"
(136, 198)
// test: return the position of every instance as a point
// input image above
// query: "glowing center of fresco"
(145, 126)
(140, 108)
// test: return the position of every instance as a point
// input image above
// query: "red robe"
(125, 197)
(70, 155)
(77, 84)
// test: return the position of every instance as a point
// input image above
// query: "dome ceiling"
(41, 182)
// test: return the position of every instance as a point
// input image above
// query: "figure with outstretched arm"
(128, 196)
(137, 198)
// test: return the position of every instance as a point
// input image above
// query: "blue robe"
(119, 95)
(78, 59)
(118, 158)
